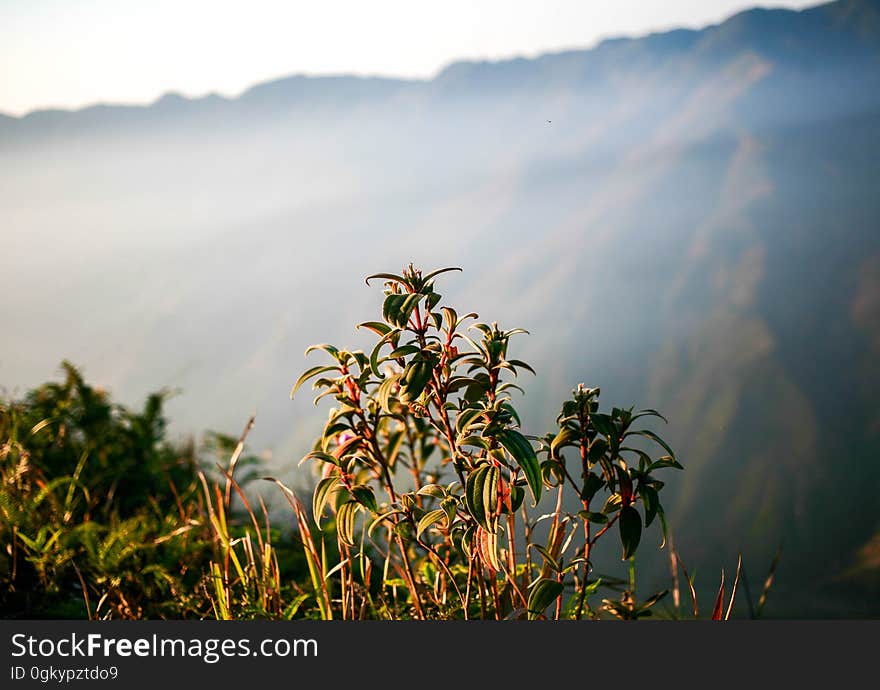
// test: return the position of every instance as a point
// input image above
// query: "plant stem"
(511, 551)
(482, 587)
(603, 530)
(443, 565)
(467, 591)
(410, 579)
(493, 585)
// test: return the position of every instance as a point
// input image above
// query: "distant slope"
(689, 219)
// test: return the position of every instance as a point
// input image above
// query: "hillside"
(690, 220)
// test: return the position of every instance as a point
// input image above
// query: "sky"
(72, 53)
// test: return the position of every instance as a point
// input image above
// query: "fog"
(680, 220)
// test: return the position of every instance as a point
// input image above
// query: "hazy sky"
(75, 52)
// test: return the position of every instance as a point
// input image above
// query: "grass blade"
(768, 583)
(718, 609)
(739, 563)
(690, 586)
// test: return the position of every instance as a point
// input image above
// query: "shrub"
(436, 491)
(96, 506)
(102, 517)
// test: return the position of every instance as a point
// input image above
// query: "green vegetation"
(100, 516)
(432, 501)
(436, 491)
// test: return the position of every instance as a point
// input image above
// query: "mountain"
(690, 220)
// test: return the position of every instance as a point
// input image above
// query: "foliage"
(432, 502)
(100, 516)
(436, 491)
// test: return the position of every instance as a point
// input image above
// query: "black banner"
(406, 654)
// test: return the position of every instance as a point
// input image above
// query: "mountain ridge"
(677, 40)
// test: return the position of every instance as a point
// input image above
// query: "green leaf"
(377, 327)
(477, 441)
(522, 452)
(612, 503)
(451, 317)
(415, 378)
(391, 308)
(333, 429)
(477, 389)
(323, 490)
(466, 543)
(449, 507)
(625, 481)
(314, 371)
(326, 347)
(406, 309)
(318, 455)
(439, 271)
(384, 276)
(345, 519)
(603, 424)
(490, 498)
(655, 438)
(517, 494)
(630, 530)
(552, 562)
(544, 591)
(565, 436)
(374, 355)
(403, 351)
(429, 519)
(473, 494)
(466, 418)
(551, 474)
(433, 490)
(381, 518)
(385, 391)
(663, 526)
(648, 412)
(665, 461)
(597, 518)
(592, 484)
(431, 302)
(597, 449)
(592, 587)
(511, 409)
(651, 501)
(294, 605)
(521, 365)
(365, 496)
(481, 496)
